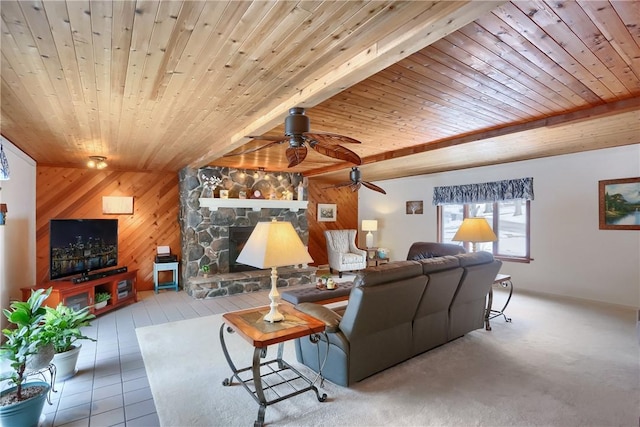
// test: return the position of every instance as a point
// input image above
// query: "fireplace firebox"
(238, 236)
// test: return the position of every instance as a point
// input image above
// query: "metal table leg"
(257, 377)
(495, 313)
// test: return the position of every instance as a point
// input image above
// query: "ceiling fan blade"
(331, 138)
(267, 137)
(336, 151)
(251, 150)
(373, 187)
(342, 184)
(296, 155)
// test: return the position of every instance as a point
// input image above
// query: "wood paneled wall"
(347, 215)
(77, 193)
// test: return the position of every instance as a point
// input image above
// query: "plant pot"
(66, 362)
(27, 412)
(99, 305)
(41, 359)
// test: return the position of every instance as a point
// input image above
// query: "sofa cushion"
(388, 272)
(422, 250)
(350, 258)
(475, 258)
(440, 263)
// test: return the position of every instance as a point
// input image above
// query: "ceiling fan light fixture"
(97, 162)
(296, 133)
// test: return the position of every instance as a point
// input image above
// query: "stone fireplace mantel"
(254, 204)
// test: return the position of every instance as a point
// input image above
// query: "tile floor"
(111, 387)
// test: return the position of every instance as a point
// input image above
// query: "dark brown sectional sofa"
(398, 310)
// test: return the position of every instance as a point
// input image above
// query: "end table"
(249, 324)
(503, 280)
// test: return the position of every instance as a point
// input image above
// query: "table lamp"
(474, 230)
(271, 245)
(369, 225)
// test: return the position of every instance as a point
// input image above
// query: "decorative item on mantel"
(209, 185)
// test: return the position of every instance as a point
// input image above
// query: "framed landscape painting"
(327, 212)
(620, 204)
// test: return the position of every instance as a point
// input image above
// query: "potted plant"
(61, 326)
(22, 403)
(205, 270)
(101, 299)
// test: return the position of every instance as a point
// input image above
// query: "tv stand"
(121, 286)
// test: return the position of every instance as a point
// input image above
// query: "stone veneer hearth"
(205, 232)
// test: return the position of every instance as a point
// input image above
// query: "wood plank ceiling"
(425, 86)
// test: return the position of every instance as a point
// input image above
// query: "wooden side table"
(373, 260)
(249, 324)
(503, 280)
(165, 266)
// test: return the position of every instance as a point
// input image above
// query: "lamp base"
(369, 239)
(274, 315)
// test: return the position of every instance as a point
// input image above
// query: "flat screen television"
(79, 246)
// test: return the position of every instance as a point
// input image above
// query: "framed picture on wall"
(327, 212)
(619, 204)
(415, 207)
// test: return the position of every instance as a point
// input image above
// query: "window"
(504, 204)
(509, 220)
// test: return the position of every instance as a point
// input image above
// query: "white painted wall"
(572, 256)
(18, 236)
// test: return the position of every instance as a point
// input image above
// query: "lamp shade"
(274, 244)
(369, 225)
(475, 230)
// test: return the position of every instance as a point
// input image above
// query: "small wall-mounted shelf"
(255, 204)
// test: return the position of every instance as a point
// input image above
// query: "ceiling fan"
(356, 182)
(296, 133)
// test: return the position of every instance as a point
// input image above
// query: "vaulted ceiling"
(424, 86)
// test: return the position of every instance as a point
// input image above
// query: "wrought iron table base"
(276, 372)
(491, 314)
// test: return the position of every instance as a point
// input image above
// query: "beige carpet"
(560, 363)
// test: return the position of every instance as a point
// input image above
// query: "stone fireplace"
(212, 234)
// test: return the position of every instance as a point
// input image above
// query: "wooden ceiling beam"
(441, 19)
(600, 111)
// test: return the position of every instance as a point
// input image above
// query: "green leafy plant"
(26, 337)
(61, 326)
(102, 296)
(205, 269)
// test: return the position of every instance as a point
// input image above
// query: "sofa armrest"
(330, 318)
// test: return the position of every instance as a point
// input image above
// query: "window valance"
(485, 192)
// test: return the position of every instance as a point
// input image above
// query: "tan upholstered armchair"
(342, 251)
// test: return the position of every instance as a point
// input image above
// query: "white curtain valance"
(486, 192)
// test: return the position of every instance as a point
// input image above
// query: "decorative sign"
(117, 205)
